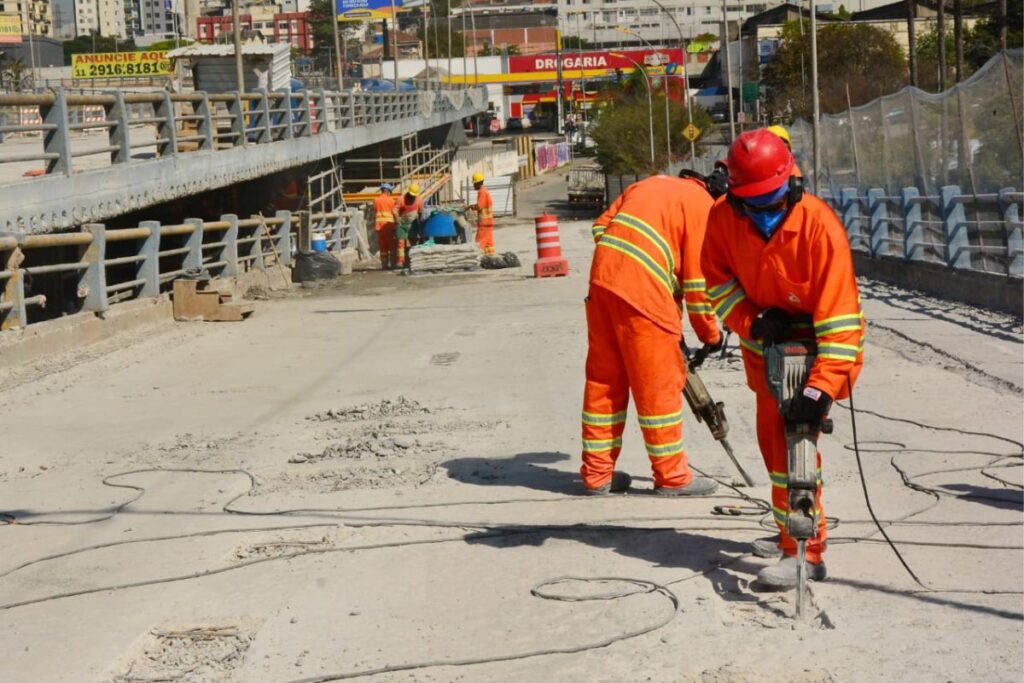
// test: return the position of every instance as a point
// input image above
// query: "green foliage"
(705, 38)
(843, 13)
(621, 132)
(169, 44)
(439, 48)
(95, 43)
(866, 59)
(492, 51)
(575, 43)
(983, 42)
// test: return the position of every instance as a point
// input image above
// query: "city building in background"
(36, 15)
(275, 27)
(102, 17)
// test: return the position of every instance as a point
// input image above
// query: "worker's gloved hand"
(810, 406)
(770, 325)
(703, 352)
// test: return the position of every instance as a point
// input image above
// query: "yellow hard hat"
(478, 178)
(781, 132)
(414, 190)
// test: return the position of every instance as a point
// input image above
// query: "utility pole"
(472, 22)
(337, 47)
(728, 72)
(668, 130)
(686, 75)
(911, 39)
(940, 33)
(816, 120)
(448, 24)
(958, 38)
(236, 34)
(1002, 24)
(394, 42)
(559, 128)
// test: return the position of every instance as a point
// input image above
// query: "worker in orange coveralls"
(384, 223)
(646, 262)
(779, 268)
(484, 208)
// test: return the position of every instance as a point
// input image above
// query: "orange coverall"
(805, 268)
(484, 208)
(384, 224)
(646, 261)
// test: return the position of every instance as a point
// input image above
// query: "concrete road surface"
(373, 477)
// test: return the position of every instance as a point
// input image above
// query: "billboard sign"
(365, 10)
(10, 29)
(593, 64)
(120, 64)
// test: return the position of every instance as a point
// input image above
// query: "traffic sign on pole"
(691, 132)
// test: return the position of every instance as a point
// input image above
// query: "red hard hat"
(759, 162)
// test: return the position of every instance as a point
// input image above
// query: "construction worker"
(484, 209)
(408, 209)
(647, 260)
(784, 136)
(384, 218)
(773, 255)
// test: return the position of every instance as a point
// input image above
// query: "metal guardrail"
(198, 122)
(108, 266)
(977, 232)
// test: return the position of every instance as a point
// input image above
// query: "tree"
(864, 58)
(621, 131)
(706, 38)
(982, 43)
(169, 44)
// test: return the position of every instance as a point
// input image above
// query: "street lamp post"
(650, 103)
(686, 75)
(668, 130)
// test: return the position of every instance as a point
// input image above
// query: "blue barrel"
(440, 224)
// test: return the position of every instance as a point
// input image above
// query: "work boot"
(619, 483)
(698, 486)
(767, 548)
(783, 574)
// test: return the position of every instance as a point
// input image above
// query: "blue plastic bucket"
(319, 242)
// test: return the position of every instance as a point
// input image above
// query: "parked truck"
(586, 189)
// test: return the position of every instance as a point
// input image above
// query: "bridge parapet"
(158, 146)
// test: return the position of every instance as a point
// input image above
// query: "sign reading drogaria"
(591, 61)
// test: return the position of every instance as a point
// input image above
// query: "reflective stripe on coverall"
(485, 220)
(384, 225)
(647, 258)
(805, 268)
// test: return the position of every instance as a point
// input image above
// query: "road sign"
(691, 132)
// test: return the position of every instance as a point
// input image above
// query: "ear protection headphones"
(715, 183)
(794, 195)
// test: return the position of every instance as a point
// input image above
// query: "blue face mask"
(767, 222)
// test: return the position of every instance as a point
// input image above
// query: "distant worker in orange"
(646, 264)
(784, 136)
(779, 268)
(409, 210)
(484, 208)
(384, 219)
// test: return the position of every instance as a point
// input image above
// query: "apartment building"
(620, 22)
(102, 17)
(36, 15)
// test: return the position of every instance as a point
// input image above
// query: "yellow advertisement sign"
(120, 64)
(10, 29)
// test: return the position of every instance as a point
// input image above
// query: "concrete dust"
(401, 406)
(212, 653)
(293, 542)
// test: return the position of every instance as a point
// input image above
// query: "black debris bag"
(496, 261)
(311, 266)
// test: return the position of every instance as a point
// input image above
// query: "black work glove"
(703, 352)
(770, 325)
(810, 406)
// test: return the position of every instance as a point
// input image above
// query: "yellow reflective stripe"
(752, 346)
(664, 450)
(636, 253)
(668, 420)
(718, 291)
(780, 480)
(650, 233)
(780, 514)
(724, 307)
(837, 351)
(694, 285)
(599, 445)
(597, 230)
(698, 307)
(602, 419)
(839, 323)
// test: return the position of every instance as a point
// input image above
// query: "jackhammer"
(787, 365)
(707, 410)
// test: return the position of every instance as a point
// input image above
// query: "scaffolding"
(410, 162)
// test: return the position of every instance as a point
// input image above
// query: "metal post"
(119, 133)
(472, 22)
(559, 124)
(853, 136)
(686, 73)
(194, 256)
(941, 38)
(394, 42)
(911, 40)
(92, 283)
(284, 238)
(149, 269)
(913, 229)
(57, 140)
(229, 254)
(958, 38)
(816, 104)
(236, 34)
(728, 71)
